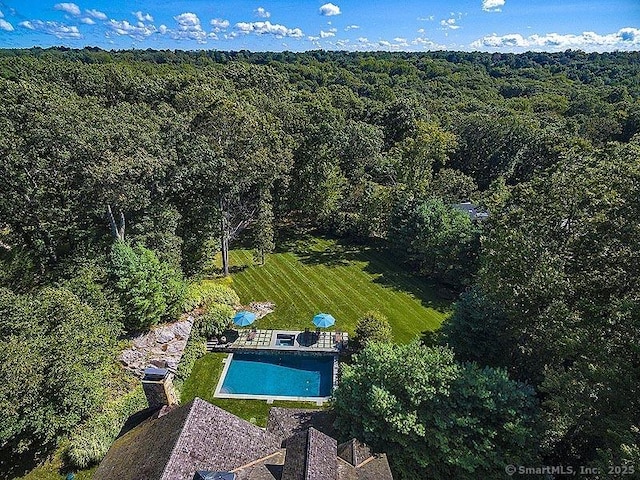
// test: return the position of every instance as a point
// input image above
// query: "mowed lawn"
(324, 275)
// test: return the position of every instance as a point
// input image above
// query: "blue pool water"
(281, 374)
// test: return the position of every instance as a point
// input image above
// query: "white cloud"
(189, 28)
(140, 30)
(88, 21)
(267, 28)
(70, 8)
(219, 24)
(96, 14)
(492, 5)
(430, 18)
(324, 34)
(312, 38)
(363, 39)
(352, 27)
(6, 26)
(60, 30)
(329, 9)
(143, 17)
(449, 24)
(261, 12)
(1, 14)
(162, 29)
(624, 39)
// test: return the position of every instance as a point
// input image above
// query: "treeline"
(198, 150)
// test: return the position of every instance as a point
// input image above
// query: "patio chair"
(252, 335)
(337, 338)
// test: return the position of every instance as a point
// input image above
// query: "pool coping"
(270, 398)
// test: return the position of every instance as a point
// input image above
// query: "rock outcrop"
(162, 347)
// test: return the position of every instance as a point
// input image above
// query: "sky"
(353, 25)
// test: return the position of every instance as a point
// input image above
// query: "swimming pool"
(280, 376)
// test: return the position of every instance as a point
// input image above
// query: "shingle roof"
(175, 443)
(285, 422)
(184, 440)
(354, 452)
(311, 455)
(376, 468)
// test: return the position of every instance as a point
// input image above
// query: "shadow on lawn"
(381, 262)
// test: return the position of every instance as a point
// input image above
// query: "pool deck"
(310, 341)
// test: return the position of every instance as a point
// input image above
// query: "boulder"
(164, 335)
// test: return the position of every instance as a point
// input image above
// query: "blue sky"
(275, 25)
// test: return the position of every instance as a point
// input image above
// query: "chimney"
(157, 384)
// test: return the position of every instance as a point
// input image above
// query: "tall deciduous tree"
(434, 417)
(55, 351)
(562, 262)
(440, 240)
(232, 152)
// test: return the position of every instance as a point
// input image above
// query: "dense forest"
(186, 154)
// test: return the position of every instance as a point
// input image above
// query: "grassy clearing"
(51, 470)
(204, 379)
(324, 275)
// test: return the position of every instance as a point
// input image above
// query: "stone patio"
(285, 340)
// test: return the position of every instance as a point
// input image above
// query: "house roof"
(187, 439)
(354, 452)
(310, 455)
(175, 443)
(285, 422)
(474, 212)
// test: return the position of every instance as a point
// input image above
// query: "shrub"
(196, 347)
(373, 327)
(91, 440)
(215, 320)
(207, 292)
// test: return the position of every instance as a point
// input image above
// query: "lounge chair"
(251, 336)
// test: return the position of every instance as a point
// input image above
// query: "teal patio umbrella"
(323, 320)
(244, 318)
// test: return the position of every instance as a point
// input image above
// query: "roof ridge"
(306, 452)
(250, 464)
(182, 430)
(371, 458)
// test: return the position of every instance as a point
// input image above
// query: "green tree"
(372, 327)
(439, 240)
(55, 353)
(147, 288)
(478, 331)
(263, 229)
(231, 152)
(419, 155)
(434, 417)
(561, 262)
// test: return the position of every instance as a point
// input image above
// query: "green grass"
(324, 275)
(203, 381)
(51, 470)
